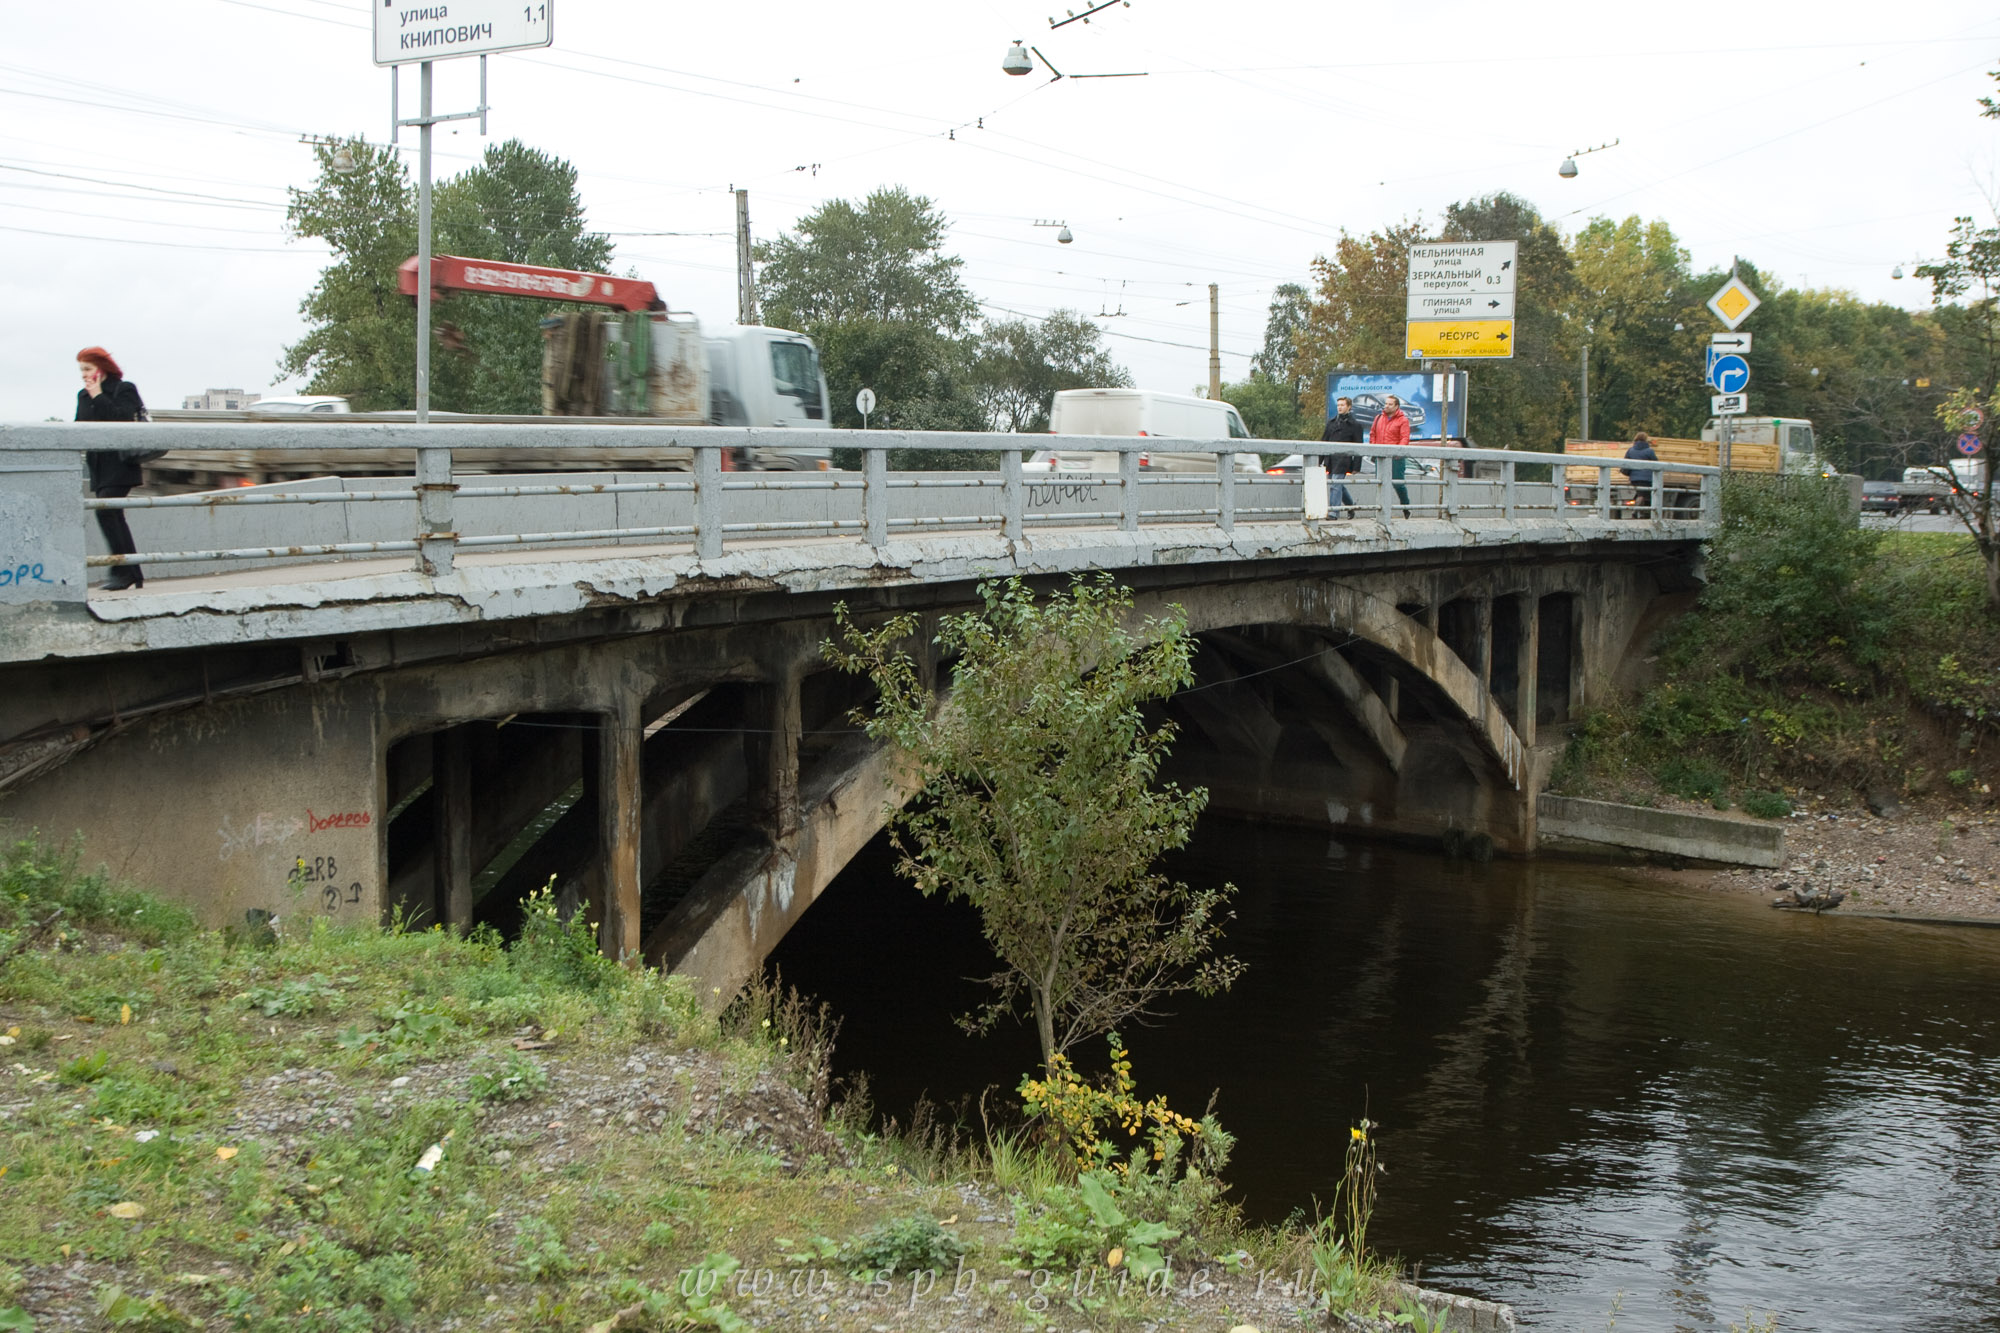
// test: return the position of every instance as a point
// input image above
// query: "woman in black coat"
(107, 396)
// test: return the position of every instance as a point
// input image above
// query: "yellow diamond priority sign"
(1442, 338)
(1733, 304)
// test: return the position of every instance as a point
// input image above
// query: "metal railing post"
(436, 539)
(1711, 497)
(1225, 492)
(875, 496)
(1448, 487)
(708, 501)
(1128, 486)
(1509, 500)
(1385, 485)
(1604, 493)
(1013, 495)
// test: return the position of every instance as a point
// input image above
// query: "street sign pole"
(424, 243)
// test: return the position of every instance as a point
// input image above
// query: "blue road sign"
(1968, 444)
(1729, 374)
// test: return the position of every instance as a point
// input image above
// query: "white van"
(1147, 412)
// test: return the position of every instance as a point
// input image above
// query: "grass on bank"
(342, 1129)
(1823, 657)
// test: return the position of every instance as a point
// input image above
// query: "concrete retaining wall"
(1698, 837)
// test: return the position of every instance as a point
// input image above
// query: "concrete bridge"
(428, 695)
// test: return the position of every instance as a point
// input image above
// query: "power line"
(149, 189)
(168, 245)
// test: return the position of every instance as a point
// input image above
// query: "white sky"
(1827, 141)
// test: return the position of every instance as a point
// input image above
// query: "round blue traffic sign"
(1729, 374)
(1968, 443)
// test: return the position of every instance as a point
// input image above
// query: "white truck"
(644, 367)
(1144, 412)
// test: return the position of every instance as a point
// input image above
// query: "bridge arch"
(742, 906)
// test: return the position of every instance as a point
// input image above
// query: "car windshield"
(795, 374)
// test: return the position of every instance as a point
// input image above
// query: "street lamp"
(1568, 169)
(1017, 60)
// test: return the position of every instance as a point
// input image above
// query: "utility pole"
(1583, 374)
(746, 278)
(1214, 343)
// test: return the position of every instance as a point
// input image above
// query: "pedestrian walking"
(1642, 479)
(107, 395)
(1392, 427)
(1341, 428)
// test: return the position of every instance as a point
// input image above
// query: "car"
(1881, 497)
(319, 404)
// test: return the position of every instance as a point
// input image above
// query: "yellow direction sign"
(1439, 339)
(1733, 304)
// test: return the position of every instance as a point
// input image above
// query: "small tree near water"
(1037, 800)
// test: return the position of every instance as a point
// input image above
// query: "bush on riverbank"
(325, 1128)
(1822, 656)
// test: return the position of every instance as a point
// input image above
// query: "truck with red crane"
(625, 360)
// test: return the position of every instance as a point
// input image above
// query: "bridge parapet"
(443, 512)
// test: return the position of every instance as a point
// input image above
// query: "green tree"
(875, 290)
(1527, 401)
(1969, 275)
(361, 339)
(1038, 803)
(1645, 328)
(1354, 318)
(884, 260)
(1289, 303)
(518, 204)
(1022, 364)
(1269, 408)
(522, 206)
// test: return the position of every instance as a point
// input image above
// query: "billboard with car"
(1420, 395)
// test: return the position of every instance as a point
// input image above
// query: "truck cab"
(760, 376)
(1797, 452)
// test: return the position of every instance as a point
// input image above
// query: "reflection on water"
(1588, 1085)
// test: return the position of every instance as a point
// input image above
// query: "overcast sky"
(145, 150)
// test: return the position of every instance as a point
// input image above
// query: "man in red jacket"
(1392, 427)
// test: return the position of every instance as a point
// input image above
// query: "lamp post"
(1568, 168)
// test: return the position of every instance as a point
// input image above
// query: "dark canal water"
(1591, 1087)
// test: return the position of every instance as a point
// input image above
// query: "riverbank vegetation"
(1823, 657)
(312, 1128)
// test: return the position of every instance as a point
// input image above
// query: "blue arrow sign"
(1729, 374)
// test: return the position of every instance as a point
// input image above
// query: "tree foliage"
(518, 204)
(1269, 408)
(1287, 317)
(883, 260)
(1022, 364)
(1038, 804)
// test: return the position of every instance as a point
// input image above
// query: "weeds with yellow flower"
(1085, 1113)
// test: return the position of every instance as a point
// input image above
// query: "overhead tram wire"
(170, 245)
(1112, 333)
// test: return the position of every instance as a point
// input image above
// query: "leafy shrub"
(1766, 805)
(514, 1079)
(42, 887)
(1084, 1224)
(562, 953)
(906, 1245)
(322, 1287)
(1693, 778)
(541, 1251)
(294, 999)
(86, 1068)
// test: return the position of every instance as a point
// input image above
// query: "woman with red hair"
(107, 396)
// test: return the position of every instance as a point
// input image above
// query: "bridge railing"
(1122, 483)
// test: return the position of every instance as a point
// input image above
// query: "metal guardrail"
(726, 504)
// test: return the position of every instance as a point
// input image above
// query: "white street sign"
(864, 402)
(411, 30)
(1733, 304)
(1463, 267)
(1729, 342)
(1459, 305)
(1729, 404)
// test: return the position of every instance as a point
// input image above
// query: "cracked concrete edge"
(198, 618)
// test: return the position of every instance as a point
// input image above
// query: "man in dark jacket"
(106, 396)
(1642, 479)
(1341, 428)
